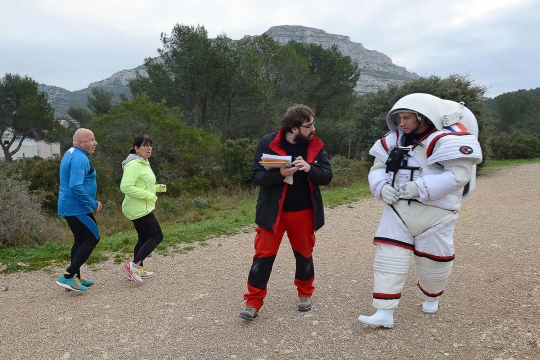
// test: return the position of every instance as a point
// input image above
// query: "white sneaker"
(430, 307)
(382, 317)
(145, 274)
(133, 271)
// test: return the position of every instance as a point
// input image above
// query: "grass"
(491, 165)
(226, 214)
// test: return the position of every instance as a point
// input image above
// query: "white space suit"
(423, 207)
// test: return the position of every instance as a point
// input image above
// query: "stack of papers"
(276, 161)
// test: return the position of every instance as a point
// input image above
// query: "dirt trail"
(490, 309)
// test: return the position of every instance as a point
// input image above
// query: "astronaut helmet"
(422, 105)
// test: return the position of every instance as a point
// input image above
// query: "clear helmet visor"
(425, 104)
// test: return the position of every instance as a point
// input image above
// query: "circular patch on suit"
(467, 150)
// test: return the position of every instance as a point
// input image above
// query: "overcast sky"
(70, 44)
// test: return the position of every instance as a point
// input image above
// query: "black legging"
(85, 238)
(150, 236)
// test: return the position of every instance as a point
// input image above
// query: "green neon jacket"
(139, 186)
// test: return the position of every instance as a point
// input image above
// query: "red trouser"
(300, 229)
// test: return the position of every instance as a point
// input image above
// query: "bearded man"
(294, 207)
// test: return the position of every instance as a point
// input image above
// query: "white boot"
(384, 318)
(430, 307)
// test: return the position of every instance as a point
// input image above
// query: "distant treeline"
(517, 111)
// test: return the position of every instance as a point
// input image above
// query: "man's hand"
(410, 190)
(99, 207)
(301, 164)
(287, 171)
(389, 194)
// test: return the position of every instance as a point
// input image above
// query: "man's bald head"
(79, 134)
(84, 139)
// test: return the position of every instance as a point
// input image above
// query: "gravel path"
(190, 309)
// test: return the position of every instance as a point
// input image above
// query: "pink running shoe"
(133, 271)
(143, 273)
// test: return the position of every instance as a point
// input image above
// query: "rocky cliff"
(61, 99)
(120, 78)
(377, 69)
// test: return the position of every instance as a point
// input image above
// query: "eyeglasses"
(146, 146)
(309, 126)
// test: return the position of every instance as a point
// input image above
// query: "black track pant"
(85, 238)
(150, 236)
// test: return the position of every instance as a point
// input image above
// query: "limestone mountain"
(377, 69)
(61, 99)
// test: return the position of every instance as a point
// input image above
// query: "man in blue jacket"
(282, 206)
(76, 202)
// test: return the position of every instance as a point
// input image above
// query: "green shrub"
(42, 177)
(179, 151)
(170, 205)
(198, 184)
(200, 203)
(108, 180)
(109, 207)
(237, 160)
(22, 220)
(346, 172)
(514, 146)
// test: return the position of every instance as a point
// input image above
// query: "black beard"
(301, 139)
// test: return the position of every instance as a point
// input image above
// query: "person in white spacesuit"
(422, 169)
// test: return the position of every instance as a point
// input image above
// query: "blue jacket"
(78, 186)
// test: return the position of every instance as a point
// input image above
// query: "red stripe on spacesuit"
(383, 143)
(435, 257)
(431, 146)
(430, 294)
(462, 127)
(381, 240)
(384, 296)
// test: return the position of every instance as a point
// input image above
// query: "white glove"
(410, 190)
(389, 194)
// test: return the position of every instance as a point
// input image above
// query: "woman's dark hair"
(139, 141)
(295, 116)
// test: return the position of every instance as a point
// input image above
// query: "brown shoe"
(304, 303)
(249, 313)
